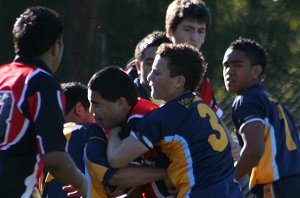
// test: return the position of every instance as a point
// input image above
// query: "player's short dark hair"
(36, 30)
(185, 60)
(153, 39)
(253, 50)
(75, 92)
(113, 83)
(179, 10)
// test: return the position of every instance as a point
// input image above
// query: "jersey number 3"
(217, 143)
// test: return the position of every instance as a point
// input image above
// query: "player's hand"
(235, 150)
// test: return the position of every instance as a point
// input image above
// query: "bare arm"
(62, 167)
(133, 175)
(121, 153)
(253, 149)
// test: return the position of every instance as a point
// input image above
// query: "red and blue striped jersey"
(31, 124)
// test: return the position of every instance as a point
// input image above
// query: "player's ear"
(179, 81)
(123, 103)
(256, 71)
(79, 108)
(56, 47)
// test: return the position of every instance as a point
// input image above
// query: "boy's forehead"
(194, 21)
(158, 60)
(228, 51)
(234, 55)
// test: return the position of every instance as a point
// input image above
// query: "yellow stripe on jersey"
(69, 128)
(290, 144)
(49, 177)
(97, 189)
(181, 172)
(266, 171)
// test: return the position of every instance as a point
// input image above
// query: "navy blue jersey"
(192, 137)
(87, 146)
(31, 124)
(282, 148)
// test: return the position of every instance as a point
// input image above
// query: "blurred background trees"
(99, 33)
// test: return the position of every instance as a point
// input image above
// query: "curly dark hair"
(36, 30)
(253, 50)
(185, 60)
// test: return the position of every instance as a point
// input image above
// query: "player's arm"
(121, 153)
(62, 167)
(253, 138)
(134, 175)
(129, 176)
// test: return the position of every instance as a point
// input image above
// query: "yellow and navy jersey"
(282, 148)
(87, 145)
(192, 137)
(30, 99)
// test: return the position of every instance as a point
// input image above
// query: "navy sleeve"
(96, 157)
(45, 107)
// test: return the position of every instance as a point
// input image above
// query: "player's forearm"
(249, 159)
(113, 155)
(121, 153)
(62, 168)
(113, 143)
(132, 176)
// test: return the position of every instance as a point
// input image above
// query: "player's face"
(238, 73)
(188, 31)
(163, 86)
(106, 113)
(146, 64)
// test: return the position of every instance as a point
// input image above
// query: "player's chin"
(230, 88)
